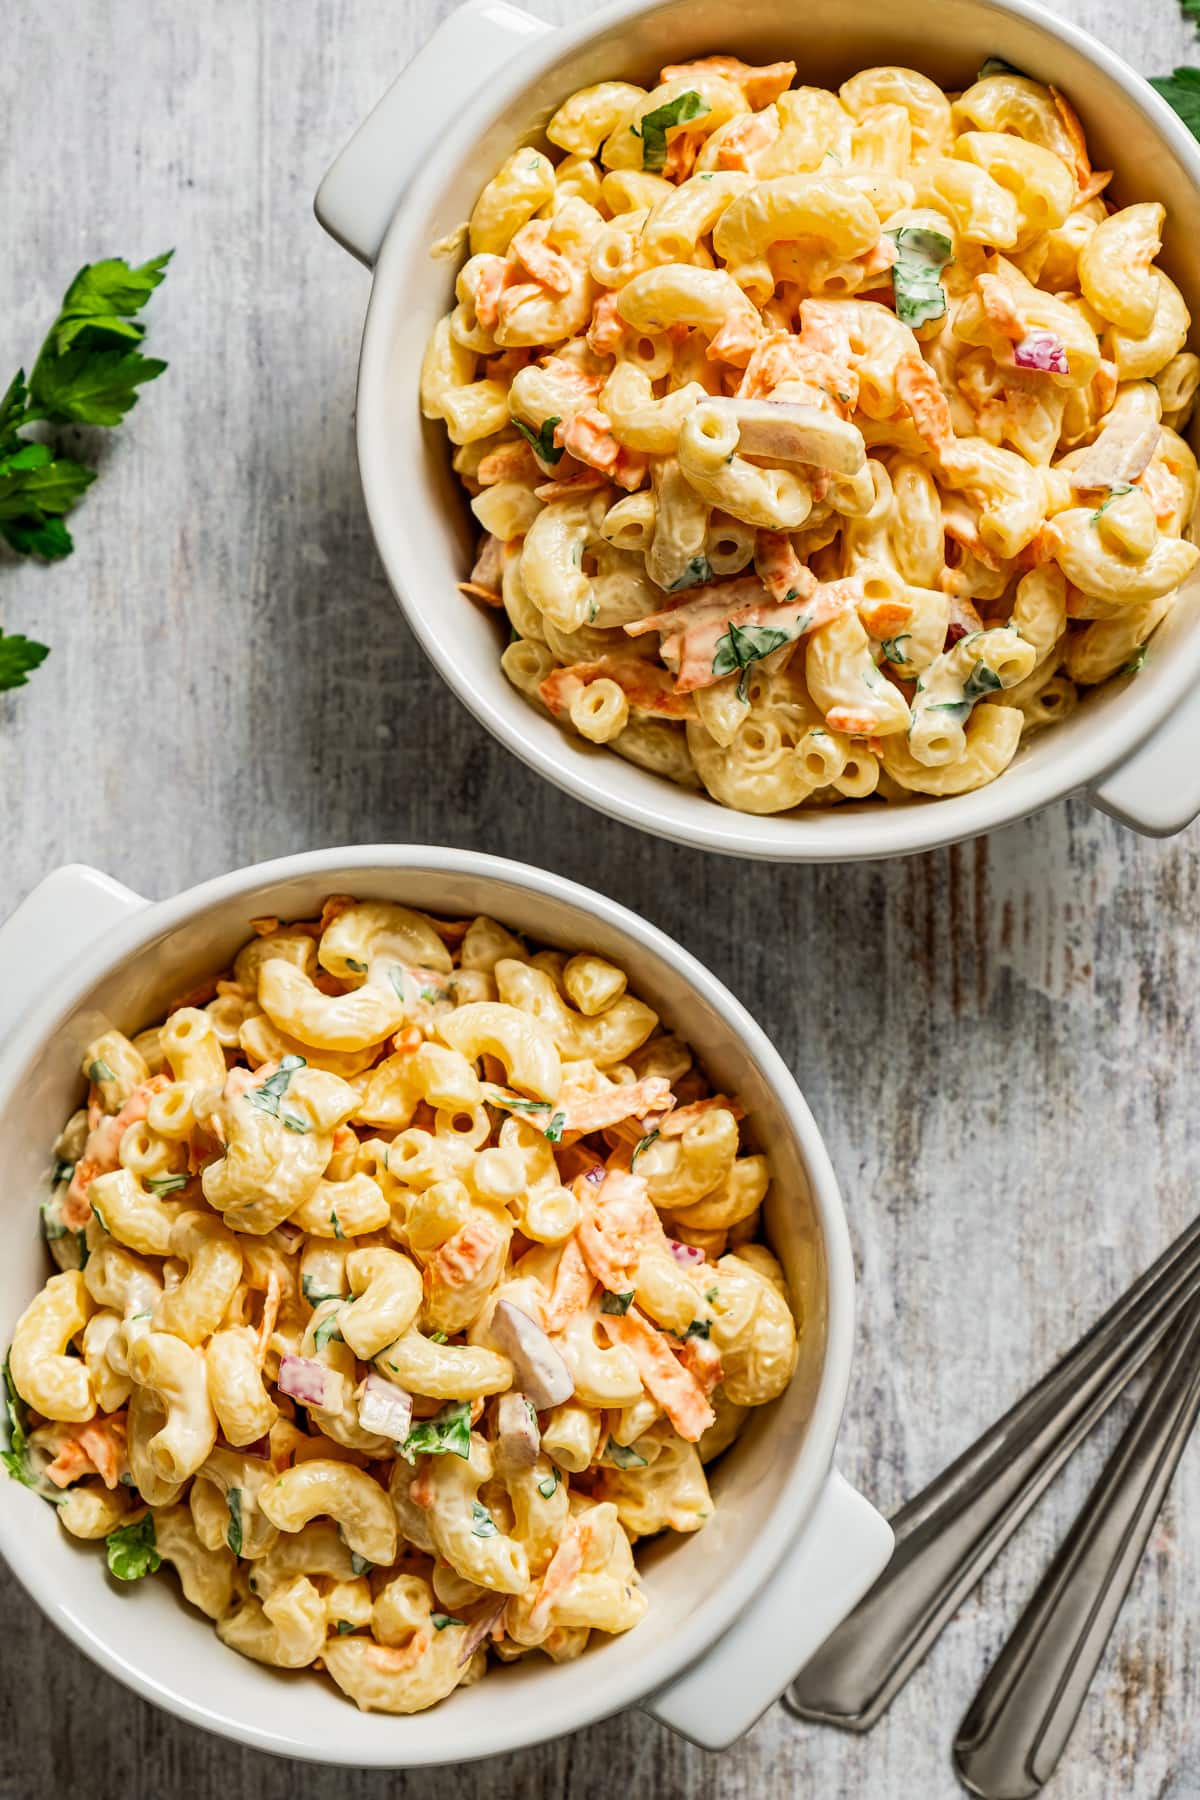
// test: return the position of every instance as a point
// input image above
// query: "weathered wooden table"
(999, 1041)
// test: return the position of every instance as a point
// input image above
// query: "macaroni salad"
(824, 444)
(407, 1277)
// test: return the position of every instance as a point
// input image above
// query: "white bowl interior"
(147, 1634)
(419, 512)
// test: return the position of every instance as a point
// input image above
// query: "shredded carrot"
(663, 1375)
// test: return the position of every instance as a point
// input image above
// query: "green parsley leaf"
(52, 1225)
(711, 1293)
(512, 1104)
(15, 1410)
(131, 1550)
(642, 1144)
(554, 1129)
(104, 297)
(88, 386)
(616, 1303)
(267, 1096)
(449, 1431)
(1137, 661)
(47, 538)
(18, 655)
(99, 1071)
(439, 1337)
(337, 1225)
(698, 571)
(995, 65)
(746, 644)
(922, 254)
(1115, 492)
(308, 1287)
(482, 1523)
(891, 648)
(656, 124)
(61, 1172)
(328, 1328)
(12, 410)
(698, 1328)
(34, 483)
(981, 681)
(623, 1456)
(344, 1628)
(293, 1122)
(1181, 91)
(165, 1184)
(441, 1620)
(359, 1564)
(542, 440)
(358, 968)
(233, 1537)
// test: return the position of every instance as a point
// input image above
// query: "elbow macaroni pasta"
(279, 1349)
(771, 399)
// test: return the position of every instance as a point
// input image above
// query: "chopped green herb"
(449, 1431)
(344, 1628)
(616, 1303)
(99, 1071)
(542, 440)
(655, 126)
(922, 254)
(131, 1550)
(643, 1144)
(293, 1122)
(624, 1456)
(995, 65)
(356, 967)
(359, 1564)
(441, 1620)
(711, 1293)
(482, 1523)
(892, 650)
(82, 1246)
(746, 644)
(18, 654)
(698, 1328)
(554, 1129)
(62, 1171)
(548, 1488)
(1136, 663)
(233, 1537)
(328, 1328)
(308, 1287)
(979, 682)
(267, 1097)
(52, 1225)
(337, 1225)
(1181, 91)
(1115, 492)
(439, 1337)
(519, 1106)
(698, 571)
(165, 1184)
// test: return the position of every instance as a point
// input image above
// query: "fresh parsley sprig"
(1181, 89)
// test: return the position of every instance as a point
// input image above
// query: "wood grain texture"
(999, 1041)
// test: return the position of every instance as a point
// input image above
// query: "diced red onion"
(1042, 350)
(518, 1439)
(541, 1371)
(384, 1408)
(479, 1630)
(306, 1380)
(690, 1255)
(595, 1176)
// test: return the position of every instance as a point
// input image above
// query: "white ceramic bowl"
(490, 77)
(734, 1613)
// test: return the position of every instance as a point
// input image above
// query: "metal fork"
(950, 1533)
(1017, 1726)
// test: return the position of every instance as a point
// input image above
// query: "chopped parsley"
(711, 1293)
(131, 1550)
(643, 1144)
(624, 1456)
(746, 644)
(699, 1328)
(542, 440)
(521, 1106)
(233, 1537)
(616, 1303)
(1136, 663)
(979, 682)
(328, 1328)
(356, 967)
(554, 1129)
(1115, 492)
(439, 1337)
(655, 126)
(62, 1171)
(482, 1523)
(891, 647)
(267, 1097)
(344, 1628)
(441, 1620)
(165, 1184)
(548, 1488)
(337, 1224)
(309, 1289)
(99, 1071)
(698, 571)
(359, 1564)
(448, 1432)
(921, 256)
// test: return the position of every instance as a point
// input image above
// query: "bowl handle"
(1157, 790)
(53, 924)
(363, 188)
(838, 1554)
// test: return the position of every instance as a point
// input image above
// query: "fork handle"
(1016, 1728)
(950, 1533)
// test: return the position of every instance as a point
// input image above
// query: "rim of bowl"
(798, 1493)
(837, 836)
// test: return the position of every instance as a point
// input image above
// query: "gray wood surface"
(999, 1041)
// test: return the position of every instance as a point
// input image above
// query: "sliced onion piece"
(1043, 350)
(541, 1371)
(518, 1439)
(690, 1255)
(304, 1379)
(384, 1408)
(479, 1629)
